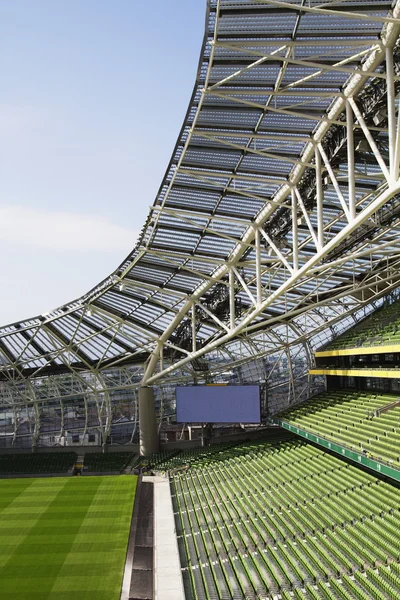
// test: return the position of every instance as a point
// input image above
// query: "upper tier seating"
(50, 462)
(345, 417)
(381, 328)
(286, 520)
(99, 462)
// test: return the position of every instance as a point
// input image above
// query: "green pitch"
(64, 538)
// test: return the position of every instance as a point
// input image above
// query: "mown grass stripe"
(7, 499)
(16, 533)
(74, 546)
(43, 566)
(109, 564)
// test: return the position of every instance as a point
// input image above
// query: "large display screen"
(218, 404)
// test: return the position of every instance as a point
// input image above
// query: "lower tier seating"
(166, 461)
(31, 464)
(99, 462)
(346, 418)
(190, 457)
(286, 520)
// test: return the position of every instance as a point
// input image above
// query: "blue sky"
(93, 94)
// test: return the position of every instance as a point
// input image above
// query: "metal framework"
(278, 214)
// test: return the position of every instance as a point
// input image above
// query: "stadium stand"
(381, 328)
(191, 457)
(277, 218)
(353, 420)
(285, 519)
(166, 461)
(37, 463)
(103, 462)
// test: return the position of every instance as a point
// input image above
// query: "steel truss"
(278, 215)
(301, 257)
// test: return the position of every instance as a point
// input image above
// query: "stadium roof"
(279, 206)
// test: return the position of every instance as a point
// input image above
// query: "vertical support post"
(350, 161)
(62, 430)
(396, 166)
(231, 299)
(370, 139)
(295, 237)
(291, 377)
(85, 404)
(391, 111)
(36, 431)
(258, 266)
(106, 399)
(135, 417)
(320, 198)
(194, 332)
(15, 429)
(147, 422)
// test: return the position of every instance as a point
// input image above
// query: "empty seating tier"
(347, 419)
(381, 328)
(286, 520)
(166, 461)
(36, 463)
(192, 457)
(99, 462)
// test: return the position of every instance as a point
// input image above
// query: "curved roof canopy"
(280, 199)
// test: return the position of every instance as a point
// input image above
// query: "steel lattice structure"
(278, 214)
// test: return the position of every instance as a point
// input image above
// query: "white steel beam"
(244, 286)
(329, 11)
(302, 63)
(307, 218)
(334, 181)
(279, 254)
(212, 316)
(285, 54)
(369, 138)
(290, 281)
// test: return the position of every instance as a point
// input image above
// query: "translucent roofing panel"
(263, 86)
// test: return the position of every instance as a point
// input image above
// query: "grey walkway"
(168, 583)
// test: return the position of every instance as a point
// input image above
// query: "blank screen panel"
(218, 404)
